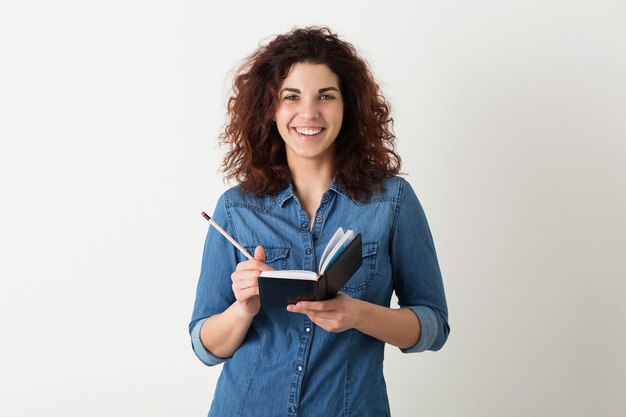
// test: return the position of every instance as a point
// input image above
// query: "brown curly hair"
(364, 151)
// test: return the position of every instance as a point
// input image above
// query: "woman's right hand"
(246, 282)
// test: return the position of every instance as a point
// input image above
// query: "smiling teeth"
(308, 132)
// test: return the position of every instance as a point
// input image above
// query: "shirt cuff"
(201, 352)
(429, 328)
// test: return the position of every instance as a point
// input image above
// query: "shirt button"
(326, 198)
(308, 251)
(303, 225)
(308, 329)
(292, 409)
(318, 219)
(299, 368)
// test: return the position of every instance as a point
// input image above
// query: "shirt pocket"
(364, 276)
(276, 256)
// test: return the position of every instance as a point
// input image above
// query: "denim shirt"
(287, 366)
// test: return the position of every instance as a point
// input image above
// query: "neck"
(310, 180)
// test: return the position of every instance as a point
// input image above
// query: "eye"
(327, 97)
(291, 97)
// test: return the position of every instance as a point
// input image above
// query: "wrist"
(360, 313)
(244, 311)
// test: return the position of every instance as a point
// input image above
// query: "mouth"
(308, 131)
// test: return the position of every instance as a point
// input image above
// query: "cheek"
(282, 123)
(337, 120)
(335, 115)
(282, 115)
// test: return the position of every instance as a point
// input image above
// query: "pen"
(227, 236)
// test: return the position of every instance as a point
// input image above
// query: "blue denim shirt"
(287, 366)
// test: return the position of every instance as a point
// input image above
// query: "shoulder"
(237, 197)
(392, 189)
(400, 191)
(396, 185)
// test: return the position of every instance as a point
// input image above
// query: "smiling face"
(309, 113)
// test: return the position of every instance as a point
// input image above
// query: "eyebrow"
(321, 90)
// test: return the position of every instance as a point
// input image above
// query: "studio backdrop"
(509, 117)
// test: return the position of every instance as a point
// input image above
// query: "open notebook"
(340, 260)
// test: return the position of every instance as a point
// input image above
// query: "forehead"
(305, 74)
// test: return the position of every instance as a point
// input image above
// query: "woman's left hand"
(335, 315)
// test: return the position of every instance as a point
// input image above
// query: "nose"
(309, 109)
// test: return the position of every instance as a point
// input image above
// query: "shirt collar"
(288, 192)
(284, 195)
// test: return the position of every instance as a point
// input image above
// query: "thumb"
(259, 254)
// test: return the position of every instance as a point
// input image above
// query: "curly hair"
(364, 151)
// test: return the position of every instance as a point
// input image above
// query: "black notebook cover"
(278, 292)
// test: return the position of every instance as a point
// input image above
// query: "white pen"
(227, 236)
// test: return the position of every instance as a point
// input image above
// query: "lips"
(308, 131)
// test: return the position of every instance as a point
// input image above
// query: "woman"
(310, 144)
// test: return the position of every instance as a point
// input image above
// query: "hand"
(246, 282)
(335, 315)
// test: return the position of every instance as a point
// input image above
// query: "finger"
(327, 305)
(326, 323)
(330, 326)
(244, 285)
(246, 294)
(312, 314)
(320, 318)
(259, 254)
(245, 274)
(247, 278)
(253, 264)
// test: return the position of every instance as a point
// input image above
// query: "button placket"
(307, 241)
(305, 341)
(300, 364)
(319, 217)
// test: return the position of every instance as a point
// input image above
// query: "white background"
(511, 121)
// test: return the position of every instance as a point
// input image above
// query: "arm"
(415, 270)
(226, 301)
(422, 323)
(223, 333)
(399, 327)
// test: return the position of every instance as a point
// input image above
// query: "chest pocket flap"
(275, 255)
(365, 275)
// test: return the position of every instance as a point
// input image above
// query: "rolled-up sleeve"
(429, 330)
(201, 352)
(416, 273)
